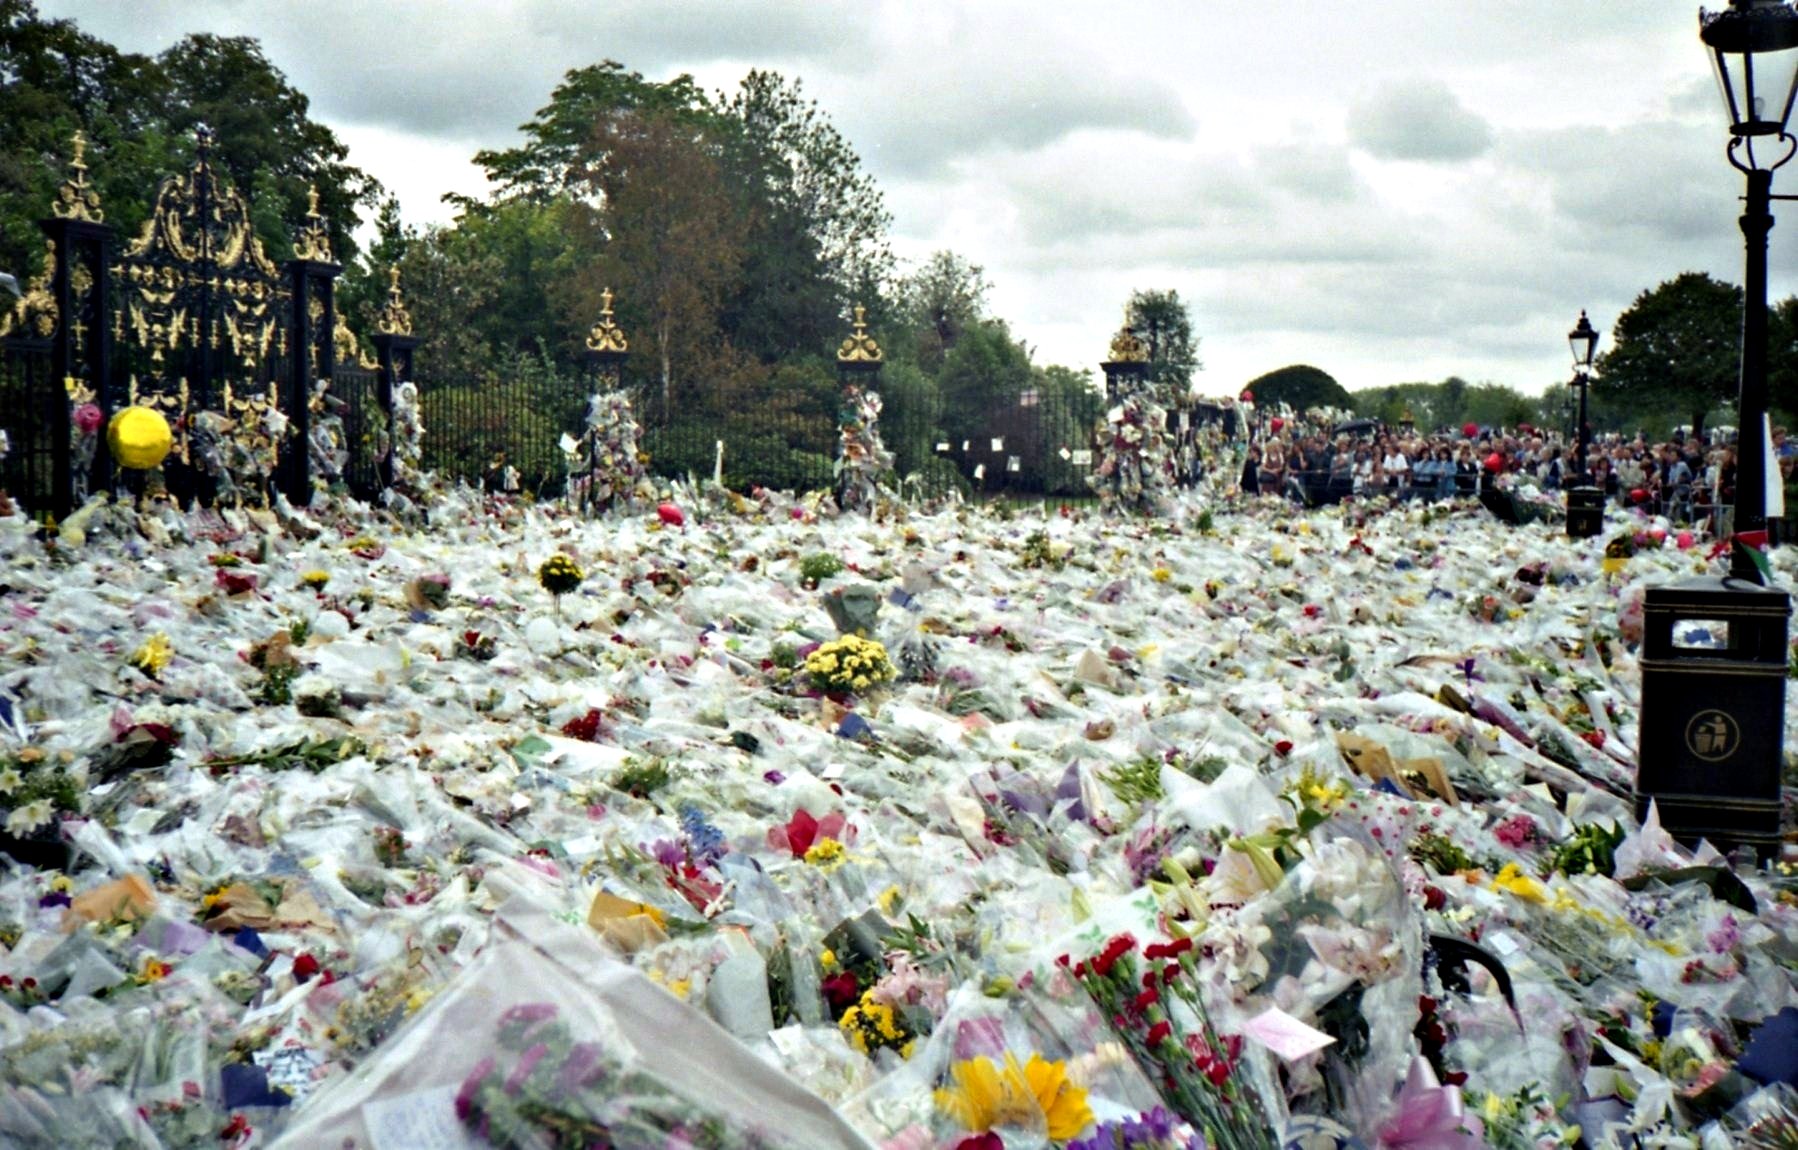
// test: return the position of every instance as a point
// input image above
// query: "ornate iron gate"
(191, 318)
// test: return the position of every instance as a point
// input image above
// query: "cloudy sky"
(1391, 190)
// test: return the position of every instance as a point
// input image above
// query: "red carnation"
(1159, 1033)
(304, 967)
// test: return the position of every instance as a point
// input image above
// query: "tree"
(1162, 320)
(1300, 387)
(264, 139)
(1782, 355)
(666, 237)
(808, 170)
(138, 114)
(937, 303)
(1677, 343)
(587, 104)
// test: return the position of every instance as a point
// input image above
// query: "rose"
(88, 418)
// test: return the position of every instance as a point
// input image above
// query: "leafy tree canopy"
(139, 112)
(1300, 387)
(1678, 343)
(1162, 319)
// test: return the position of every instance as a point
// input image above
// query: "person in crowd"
(1251, 471)
(1273, 467)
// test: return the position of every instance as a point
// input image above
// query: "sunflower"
(985, 1095)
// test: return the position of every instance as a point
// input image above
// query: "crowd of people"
(1689, 478)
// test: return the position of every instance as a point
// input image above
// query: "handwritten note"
(422, 1121)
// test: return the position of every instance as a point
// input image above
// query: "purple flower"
(583, 1066)
(527, 1062)
(470, 1085)
(528, 1012)
(668, 853)
(773, 777)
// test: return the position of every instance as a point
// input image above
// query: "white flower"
(9, 781)
(29, 817)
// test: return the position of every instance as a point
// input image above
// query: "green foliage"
(1163, 321)
(1300, 386)
(1590, 849)
(276, 687)
(138, 113)
(819, 566)
(1678, 342)
(1135, 782)
(642, 778)
(307, 754)
(1441, 853)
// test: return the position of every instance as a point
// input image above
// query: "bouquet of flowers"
(849, 663)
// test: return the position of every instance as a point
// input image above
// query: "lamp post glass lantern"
(1583, 340)
(1753, 46)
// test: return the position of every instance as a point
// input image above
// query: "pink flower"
(88, 418)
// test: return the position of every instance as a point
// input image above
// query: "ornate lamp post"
(1585, 503)
(1583, 339)
(1713, 724)
(1754, 48)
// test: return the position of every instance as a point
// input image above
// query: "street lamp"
(1585, 503)
(1583, 339)
(1754, 48)
(1713, 714)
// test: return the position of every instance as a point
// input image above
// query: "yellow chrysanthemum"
(1161, 574)
(154, 655)
(315, 579)
(826, 852)
(985, 1095)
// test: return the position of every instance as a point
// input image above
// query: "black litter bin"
(1585, 512)
(1713, 710)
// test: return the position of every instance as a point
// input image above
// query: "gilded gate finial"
(76, 199)
(860, 347)
(394, 318)
(1125, 347)
(314, 239)
(605, 335)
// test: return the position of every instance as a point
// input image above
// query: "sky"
(1390, 190)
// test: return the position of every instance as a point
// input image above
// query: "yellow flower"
(315, 579)
(154, 655)
(826, 852)
(828, 959)
(1161, 574)
(985, 1095)
(1513, 880)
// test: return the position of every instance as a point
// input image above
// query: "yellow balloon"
(139, 437)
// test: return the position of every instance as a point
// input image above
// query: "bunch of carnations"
(1152, 1001)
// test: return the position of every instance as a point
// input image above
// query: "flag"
(1747, 561)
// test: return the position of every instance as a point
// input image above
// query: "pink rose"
(88, 418)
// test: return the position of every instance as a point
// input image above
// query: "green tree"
(138, 114)
(560, 137)
(936, 304)
(1678, 343)
(1163, 320)
(666, 238)
(808, 172)
(1301, 387)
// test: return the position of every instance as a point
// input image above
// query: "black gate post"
(81, 348)
(313, 349)
(393, 342)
